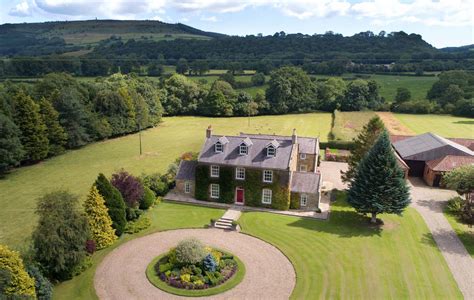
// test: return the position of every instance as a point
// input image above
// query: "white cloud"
(22, 9)
(209, 19)
(377, 12)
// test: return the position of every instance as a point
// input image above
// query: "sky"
(442, 23)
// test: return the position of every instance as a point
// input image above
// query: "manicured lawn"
(165, 216)
(444, 125)
(464, 232)
(76, 170)
(345, 258)
(347, 125)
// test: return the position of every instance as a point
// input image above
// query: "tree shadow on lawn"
(464, 122)
(454, 248)
(343, 221)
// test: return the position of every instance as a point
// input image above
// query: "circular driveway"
(121, 275)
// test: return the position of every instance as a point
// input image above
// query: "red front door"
(239, 198)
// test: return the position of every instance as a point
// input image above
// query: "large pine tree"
(33, 131)
(100, 224)
(114, 202)
(11, 150)
(362, 143)
(56, 135)
(379, 185)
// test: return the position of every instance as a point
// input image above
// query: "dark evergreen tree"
(182, 66)
(56, 135)
(11, 150)
(59, 239)
(362, 144)
(33, 131)
(379, 185)
(114, 202)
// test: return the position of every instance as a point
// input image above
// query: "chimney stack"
(209, 131)
(294, 137)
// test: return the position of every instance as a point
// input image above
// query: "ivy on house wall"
(295, 201)
(253, 185)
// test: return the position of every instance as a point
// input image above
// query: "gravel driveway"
(429, 203)
(121, 275)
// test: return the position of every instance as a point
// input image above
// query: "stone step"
(222, 226)
(225, 221)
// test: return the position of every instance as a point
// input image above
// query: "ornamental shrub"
(43, 287)
(190, 251)
(455, 205)
(100, 223)
(209, 263)
(17, 282)
(148, 198)
(129, 186)
(90, 246)
(114, 202)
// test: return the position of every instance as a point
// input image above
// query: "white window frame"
(187, 187)
(242, 147)
(267, 196)
(220, 146)
(273, 154)
(214, 190)
(303, 199)
(240, 171)
(303, 168)
(215, 170)
(268, 173)
(302, 156)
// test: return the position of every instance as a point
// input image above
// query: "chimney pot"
(209, 131)
(294, 137)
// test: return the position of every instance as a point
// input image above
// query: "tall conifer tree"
(33, 131)
(362, 143)
(56, 135)
(379, 185)
(11, 150)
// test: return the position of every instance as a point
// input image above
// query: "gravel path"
(429, 203)
(121, 275)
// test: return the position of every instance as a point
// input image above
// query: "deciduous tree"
(129, 186)
(56, 135)
(462, 180)
(11, 150)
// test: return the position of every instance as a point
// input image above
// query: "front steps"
(225, 222)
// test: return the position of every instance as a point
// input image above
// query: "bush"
(148, 199)
(91, 246)
(455, 205)
(17, 282)
(129, 186)
(84, 265)
(155, 182)
(138, 225)
(209, 263)
(190, 251)
(133, 213)
(43, 287)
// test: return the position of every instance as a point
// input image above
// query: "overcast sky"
(441, 22)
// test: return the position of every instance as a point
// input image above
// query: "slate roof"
(450, 162)
(429, 146)
(305, 182)
(186, 170)
(307, 145)
(223, 140)
(257, 154)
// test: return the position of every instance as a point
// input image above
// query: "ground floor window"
(303, 168)
(303, 199)
(214, 191)
(266, 196)
(187, 187)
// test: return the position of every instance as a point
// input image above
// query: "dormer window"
(218, 147)
(243, 149)
(271, 151)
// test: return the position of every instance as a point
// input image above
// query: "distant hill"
(460, 49)
(32, 39)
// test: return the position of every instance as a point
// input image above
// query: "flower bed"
(192, 269)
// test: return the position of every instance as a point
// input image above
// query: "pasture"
(347, 125)
(444, 125)
(76, 170)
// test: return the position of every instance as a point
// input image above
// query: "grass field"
(444, 125)
(165, 216)
(76, 170)
(347, 125)
(418, 85)
(464, 232)
(344, 258)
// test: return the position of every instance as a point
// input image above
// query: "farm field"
(418, 85)
(76, 170)
(444, 125)
(345, 258)
(347, 125)
(164, 216)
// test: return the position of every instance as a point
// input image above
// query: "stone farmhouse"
(430, 156)
(270, 171)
